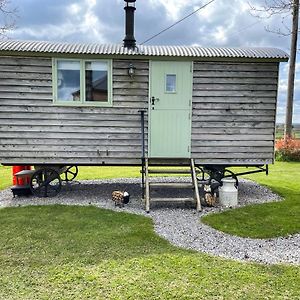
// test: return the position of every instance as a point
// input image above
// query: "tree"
(284, 7)
(7, 17)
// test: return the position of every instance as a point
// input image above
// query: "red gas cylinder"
(20, 181)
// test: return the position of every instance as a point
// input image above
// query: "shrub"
(287, 150)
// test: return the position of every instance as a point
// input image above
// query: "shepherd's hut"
(66, 104)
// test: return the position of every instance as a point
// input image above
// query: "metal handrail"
(143, 155)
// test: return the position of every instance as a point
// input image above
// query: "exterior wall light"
(131, 70)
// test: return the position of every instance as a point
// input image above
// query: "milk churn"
(228, 192)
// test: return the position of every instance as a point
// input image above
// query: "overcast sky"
(222, 23)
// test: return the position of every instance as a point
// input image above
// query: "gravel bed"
(178, 223)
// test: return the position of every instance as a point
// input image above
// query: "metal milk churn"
(228, 192)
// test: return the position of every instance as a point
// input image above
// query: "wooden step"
(172, 199)
(169, 171)
(177, 185)
(165, 161)
(178, 167)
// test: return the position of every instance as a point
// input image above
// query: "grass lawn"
(59, 252)
(103, 172)
(66, 252)
(257, 221)
(266, 220)
(5, 177)
(84, 173)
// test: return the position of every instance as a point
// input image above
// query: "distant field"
(280, 131)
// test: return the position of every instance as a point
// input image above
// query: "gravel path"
(179, 223)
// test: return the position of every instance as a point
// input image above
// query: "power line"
(179, 21)
(244, 28)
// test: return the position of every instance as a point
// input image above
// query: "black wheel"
(70, 173)
(45, 183)
(203, 175)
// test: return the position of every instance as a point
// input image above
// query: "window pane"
(96, 81)
(171, 83)
(68, 80)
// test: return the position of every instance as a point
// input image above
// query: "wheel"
(71, 173)
(203, 175)
(45, 183)
(219, 174)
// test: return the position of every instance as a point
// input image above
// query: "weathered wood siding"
(234, 110)
(34, 131)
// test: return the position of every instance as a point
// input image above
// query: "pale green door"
(170, 109)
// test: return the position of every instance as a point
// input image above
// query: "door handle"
(153, 99)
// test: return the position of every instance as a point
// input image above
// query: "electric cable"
(177, 22)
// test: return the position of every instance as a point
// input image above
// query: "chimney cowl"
(129, 40)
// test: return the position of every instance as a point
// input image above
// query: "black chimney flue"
(129, 40)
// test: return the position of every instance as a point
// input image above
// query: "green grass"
(266, 220)
(5, 177)
(103, 172)
(108, 172)
(59, 252)
(257, 221)
(84, 173)
(280, 133)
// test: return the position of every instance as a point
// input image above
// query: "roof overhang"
(40, 48)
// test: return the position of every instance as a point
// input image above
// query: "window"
(82, 82)
(171, 83)
(96, 88)
(68, 80)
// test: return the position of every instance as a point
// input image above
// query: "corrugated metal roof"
(175, 51)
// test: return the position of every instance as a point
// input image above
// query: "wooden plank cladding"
(234, 110)
(128, 92)
(35, 131)
(233, 115)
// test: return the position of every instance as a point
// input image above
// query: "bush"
(287, 150)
